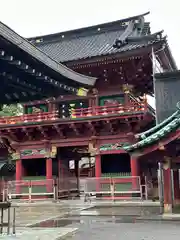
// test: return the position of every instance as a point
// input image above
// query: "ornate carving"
(32, 152)
(92, 149)
(113, 146)
(15, 156)
(53, 151)
(127, 88)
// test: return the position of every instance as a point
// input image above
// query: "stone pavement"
(29, 214)
(40, 234)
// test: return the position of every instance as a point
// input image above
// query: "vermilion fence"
(40, 189)
(26, 189)
(103, 188)
(113, 188)
(109, 110)
(35, 117)
(77, 113)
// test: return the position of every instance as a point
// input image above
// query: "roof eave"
(11, 36)
(118, 54)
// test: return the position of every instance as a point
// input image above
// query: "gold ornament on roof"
(127, 88)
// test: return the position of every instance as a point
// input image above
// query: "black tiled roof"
(95, 41)
(91, 46)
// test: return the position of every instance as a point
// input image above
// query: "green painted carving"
(36, 108)
(113, 146)
(31, 152)
(115, 99)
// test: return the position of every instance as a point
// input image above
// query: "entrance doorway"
(116, 163)
(34, 167)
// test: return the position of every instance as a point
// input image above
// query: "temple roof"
(93, 41)
(150, 137)
(27, 73)
(99, 40)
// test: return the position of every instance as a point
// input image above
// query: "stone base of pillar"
(167, 208)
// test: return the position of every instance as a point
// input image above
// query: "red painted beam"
(112, 152)
(75, 141)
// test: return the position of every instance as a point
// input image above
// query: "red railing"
(109, 110)
(35, 117)
(77, 113)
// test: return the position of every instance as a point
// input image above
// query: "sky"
(39, 17)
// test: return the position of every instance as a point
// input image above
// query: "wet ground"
(32, 213)
(73, 222)
(121, 210)
(119, 228)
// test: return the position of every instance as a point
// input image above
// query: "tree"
(11, 110)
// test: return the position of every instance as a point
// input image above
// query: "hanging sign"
(82, 92)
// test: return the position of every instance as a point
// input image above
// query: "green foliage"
(11, 110)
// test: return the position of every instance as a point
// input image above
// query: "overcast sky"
(37, 17)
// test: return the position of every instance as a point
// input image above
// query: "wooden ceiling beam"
(59, 131)
(12, 60)
(92, 128)
(11, 133)
(43, 132)
(23, 83)
(75, 129)
(110, 126)
(27, 134)
(32, 71)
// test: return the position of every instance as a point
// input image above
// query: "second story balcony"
(119, 110)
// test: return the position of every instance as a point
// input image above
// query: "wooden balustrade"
(109, 110)
(34, 117)
(77, 113)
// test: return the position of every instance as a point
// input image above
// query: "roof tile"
(84, 47)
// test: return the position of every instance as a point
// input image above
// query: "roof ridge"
(89, 27)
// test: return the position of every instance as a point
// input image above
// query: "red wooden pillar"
(98, 172)
(18, 175)
(49, 174)
(98, 166)
(49, 168)
(167, 186)
(135, 173)
(18, 170)
(176, 185)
